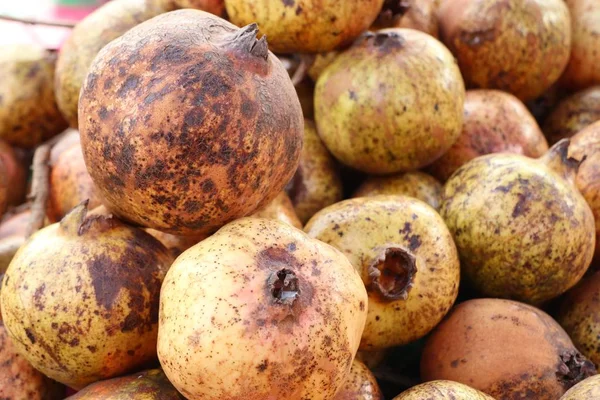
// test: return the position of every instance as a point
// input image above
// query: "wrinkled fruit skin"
(584, 390)
(442, 390)
(493, 122)
(280, 209)
(573, 114)
(88, 37)
(367, 126)
(316, 183)
(305, 26)
(506, 349)
(520, 47)
(216, 7)
(360, 385)
(578, 315)
(28, 112)
(587, 144)
(147, 385)
(414, 184)
(226, 149)
(523, 231)
(16, 176)
(582, 70)
(174, 243)
(420, 15)
(364, 229)
(70, 184)
(19, 380)
(267, 300)
(80, 298)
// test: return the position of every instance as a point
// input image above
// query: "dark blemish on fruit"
(131, 83)
(454, 363)
(262, 366)
(521, 207)
(361, 305)
(291, 246)
(353, 95)
(572, 368)
(102, 113)
(288, 3)
(38, 297)
(299, 10)
(105, 290)
(30, 335)
(92, 349)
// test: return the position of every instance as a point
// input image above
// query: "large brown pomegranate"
(188, 122)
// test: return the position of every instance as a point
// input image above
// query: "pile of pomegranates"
(304, 200)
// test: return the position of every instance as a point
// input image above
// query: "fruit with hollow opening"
(494, 122)
(582, 70)
(28, 111)
(522, 228)
(414, 14)
(413, 184)
(573, 114)
(285, 311)
(521, 47)
(367, 126)
(442, 390)
(578, 314)
(280, 209)
(203, 127)
(360, 384)
(305, 26)
(405, 255)
(585, 390)
(80, 298)
(316, 183)
(506, 349)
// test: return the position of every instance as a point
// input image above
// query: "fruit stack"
(304, 200)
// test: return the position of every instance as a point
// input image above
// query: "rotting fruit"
(522, 228)
(587, 144)
(306, 26)
(573, 114)
(442, 390)
(280, 209)
(582, 70)
(28, 112)
(367, 125)
(414, 184)
(267, 300)
(89, 36)
(80, 298)
(70, 184)
(494, 122)
(360, 384)
(521, 47)
(585, 390)
(202, 127)
(316, 183)
(146, 385)
(578, 314)
(506, 349)
(405, 255)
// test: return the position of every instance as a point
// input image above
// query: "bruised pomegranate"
(70, 184)
(306, 26)
(573, 114)
(260, 311)
(147, 385)
(522, 228)
(368, 125)
(188, 122)
(494, 122)
(506, 349)
(360, 385)
(521, 47)
(80, 298)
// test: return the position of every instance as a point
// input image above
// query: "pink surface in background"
(46, 36)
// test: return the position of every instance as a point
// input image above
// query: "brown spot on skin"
(288, 3)
(30, 335)
(38, 297)
(262, 366)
